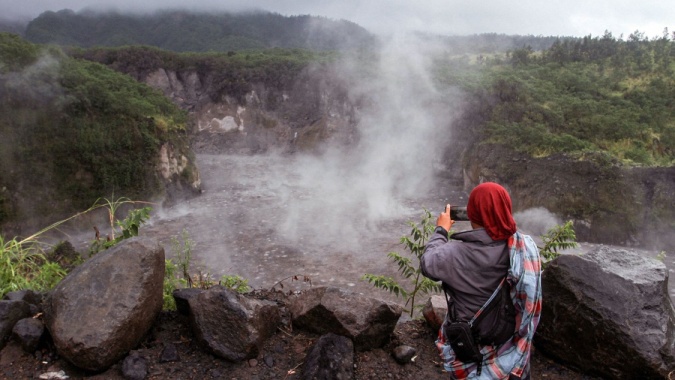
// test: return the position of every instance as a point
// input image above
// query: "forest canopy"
(596, 94)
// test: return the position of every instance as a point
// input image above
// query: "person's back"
(472, 265)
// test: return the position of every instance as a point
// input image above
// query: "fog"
(402, 134)
(570, 18)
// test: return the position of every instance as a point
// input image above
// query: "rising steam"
(402, 131)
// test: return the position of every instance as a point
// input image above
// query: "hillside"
(75, 131)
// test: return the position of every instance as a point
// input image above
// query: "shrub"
(410, 268)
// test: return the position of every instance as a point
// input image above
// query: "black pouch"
(462, 340)
(499, 322)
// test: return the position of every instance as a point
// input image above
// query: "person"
(472, 264)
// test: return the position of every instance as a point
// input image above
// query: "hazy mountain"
(187, 31)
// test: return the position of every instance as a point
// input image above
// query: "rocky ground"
(281, 358)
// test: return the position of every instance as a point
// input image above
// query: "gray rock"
(330, 358)
(169, 354)
(369, 322)
(230, 325)
(29, 296)
(608, 313)
(134, 367)
(434, 311)
(10, 313)
(182, 298)
(404, 354)
(104, 307)
(28, 332)
(34, 299)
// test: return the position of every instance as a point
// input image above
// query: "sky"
(448, 17)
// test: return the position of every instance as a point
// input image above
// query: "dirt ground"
(281, 358)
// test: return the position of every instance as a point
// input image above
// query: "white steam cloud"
(402, 131)
(536, 221)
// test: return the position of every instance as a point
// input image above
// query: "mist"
(571, 18)
(402, 130)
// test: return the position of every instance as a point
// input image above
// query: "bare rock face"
(230, 325)
(331, 357)
(105, 306)
(608, 313)
(367, 321)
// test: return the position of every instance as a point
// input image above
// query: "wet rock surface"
(608, 313)
(28, 332)
(367, 321)
(104, 307)
(230, 325)
(331, 357)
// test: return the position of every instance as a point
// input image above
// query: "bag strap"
(479, 313)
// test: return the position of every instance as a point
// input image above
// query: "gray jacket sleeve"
(433, 253)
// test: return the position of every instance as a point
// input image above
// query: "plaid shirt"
(513, 356)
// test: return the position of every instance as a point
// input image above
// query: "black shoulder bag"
(465, 338)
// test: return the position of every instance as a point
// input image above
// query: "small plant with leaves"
(661, 256)
(234, 282)
(170, 284)
(24, 263)
(410, 268)
(182, 250)
(557, 238)
(177, 273)
(124, 229)
(296, 277)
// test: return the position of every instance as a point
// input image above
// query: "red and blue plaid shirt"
(513, 356)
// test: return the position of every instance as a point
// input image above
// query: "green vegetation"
(26, 263)
(178, 275)
(25, 266)
(577, 97)
(410, 268)
(128, 227)
(557, 238)
(229, 74)
(73, 130)
(200, 32)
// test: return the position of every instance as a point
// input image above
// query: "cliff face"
(608, 203)
(311, 109)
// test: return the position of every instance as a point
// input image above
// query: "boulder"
(104, 307)
(231, 325)
(608, 313)
(330, 358)
(369, 322)
(434, 311)
(10, 313)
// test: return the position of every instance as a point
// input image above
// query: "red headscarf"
(490, 206)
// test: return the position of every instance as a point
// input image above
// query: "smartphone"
(458, 213)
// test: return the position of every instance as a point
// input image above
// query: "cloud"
(450, 17)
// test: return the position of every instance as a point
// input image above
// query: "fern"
(558, 238)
